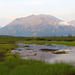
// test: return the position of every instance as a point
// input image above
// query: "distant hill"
(37, 25)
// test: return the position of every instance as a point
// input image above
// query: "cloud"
(32, 3)
(64, 23)
(36, 2)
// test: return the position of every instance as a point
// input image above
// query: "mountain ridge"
(37, 25)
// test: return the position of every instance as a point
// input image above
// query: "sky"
(12, 9)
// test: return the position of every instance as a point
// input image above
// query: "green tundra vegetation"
(12, 64)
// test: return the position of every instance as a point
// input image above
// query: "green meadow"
(12, 64)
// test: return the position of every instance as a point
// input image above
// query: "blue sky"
(11, 9)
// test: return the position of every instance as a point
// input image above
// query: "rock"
(35, 54)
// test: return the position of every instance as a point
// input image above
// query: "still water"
(34, 52)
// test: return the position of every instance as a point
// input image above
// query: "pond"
(48, 52)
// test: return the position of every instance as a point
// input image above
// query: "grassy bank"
(5, 50)
(17, 66)
(7, 43)
(49, 42)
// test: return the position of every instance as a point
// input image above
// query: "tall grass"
(18, 66)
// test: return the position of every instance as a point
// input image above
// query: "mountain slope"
(0, 26)
(37, 25)
(72, 22)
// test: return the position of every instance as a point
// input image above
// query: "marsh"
(46, 52)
